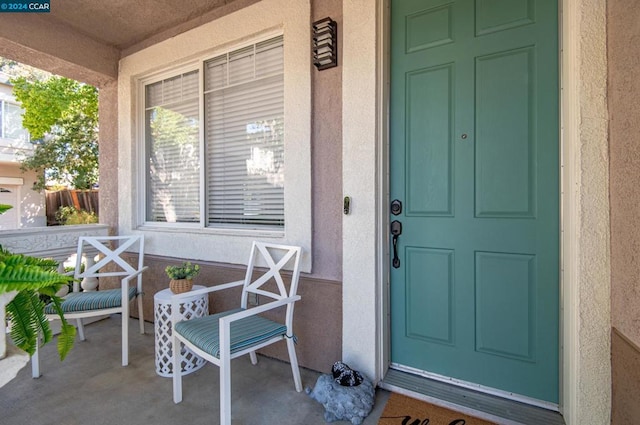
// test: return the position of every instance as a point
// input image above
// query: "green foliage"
(70, 216)
(33, 277)
(62, 117)
(4, 208)
(26, 322)
(184, 271)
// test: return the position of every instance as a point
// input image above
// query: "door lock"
(396, 207)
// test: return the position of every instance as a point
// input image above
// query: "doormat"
(403, 410)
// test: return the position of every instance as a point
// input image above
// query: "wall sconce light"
(325, 43)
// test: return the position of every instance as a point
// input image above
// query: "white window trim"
(257, 22)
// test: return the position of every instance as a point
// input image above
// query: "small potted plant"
(181, 276)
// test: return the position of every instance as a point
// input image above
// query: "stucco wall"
(624, 131)
(318, 317)
(108, 154)
(56, 48)
(585, 309)
(326, 154)
(624, 144)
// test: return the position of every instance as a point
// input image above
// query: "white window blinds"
(173, 149)
(244, 136)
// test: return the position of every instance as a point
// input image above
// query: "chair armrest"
(257, 310)
(175, 299)
(208, 289)
(127, 278)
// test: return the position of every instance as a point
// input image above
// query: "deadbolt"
(396, 207)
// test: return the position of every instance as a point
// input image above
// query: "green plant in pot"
(31, 278)
(182, 276)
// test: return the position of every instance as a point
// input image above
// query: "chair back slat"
(112, 257)
(276, 258)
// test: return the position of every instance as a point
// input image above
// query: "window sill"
(212, 231)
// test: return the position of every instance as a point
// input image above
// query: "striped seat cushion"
(203, 332)
(94, 300)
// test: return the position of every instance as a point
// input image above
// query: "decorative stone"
(343, 403)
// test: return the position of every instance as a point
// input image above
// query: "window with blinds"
(173, 149)
(243, 146)
(244, 136)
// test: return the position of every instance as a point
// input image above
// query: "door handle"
(396, 231)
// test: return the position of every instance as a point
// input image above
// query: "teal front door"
(474, 149)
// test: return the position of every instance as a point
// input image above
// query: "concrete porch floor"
(91, 387)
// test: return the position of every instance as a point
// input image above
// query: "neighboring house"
(506, 129)
(15, 185)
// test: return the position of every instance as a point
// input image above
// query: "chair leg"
(140, 314)
(125, 338)
(35, 360)
(294, 364)
(177, 370)
(254, 358)
(80, 329)
(225, 389)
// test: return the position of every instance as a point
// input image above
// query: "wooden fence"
(86, 200)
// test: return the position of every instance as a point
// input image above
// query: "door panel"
(504, 129)
(474, 158)
(429, 160)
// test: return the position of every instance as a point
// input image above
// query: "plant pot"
(178, 286)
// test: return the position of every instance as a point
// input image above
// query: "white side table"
(194, 306)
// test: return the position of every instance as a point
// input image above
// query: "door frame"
(585, 323)
(385, 64)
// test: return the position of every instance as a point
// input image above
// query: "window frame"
(197, 64)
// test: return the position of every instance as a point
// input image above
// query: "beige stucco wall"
(56, 48)
(624, 129)
(326, 154)
(318, 322)
(585, 277)
(108, 154)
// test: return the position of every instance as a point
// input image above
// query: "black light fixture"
(325, 43)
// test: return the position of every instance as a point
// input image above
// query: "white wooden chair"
(79, 305)
(221, 337)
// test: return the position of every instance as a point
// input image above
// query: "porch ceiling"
(85, 39)
(125, 23)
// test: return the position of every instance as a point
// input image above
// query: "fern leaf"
(66, 339)
(16, 276)
(24, 320)
(67, 332)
